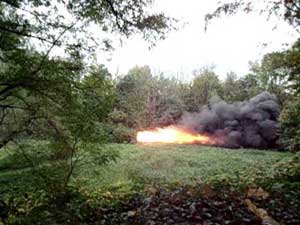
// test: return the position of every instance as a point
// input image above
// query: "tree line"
(143, 100)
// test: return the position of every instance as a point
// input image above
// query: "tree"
(99, 91)
(231, 88)
(169, 105)
(205, 85)
(136, 96)
(271, 74)
(249, 86)
(59, 99)
(291, 64)
(288, 10)
(289, 120)
(148, 101)
(279, 73)
(290, 126)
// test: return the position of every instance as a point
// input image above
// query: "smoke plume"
(250, 123)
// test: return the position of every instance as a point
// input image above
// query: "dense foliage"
(290, 126)
(56, 111)
(145, 101)
(290, 71)
(52, 107)
(61, 100)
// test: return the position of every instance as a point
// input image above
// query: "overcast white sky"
(229, 43)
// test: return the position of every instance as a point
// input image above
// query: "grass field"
(123, 186)
(178, 164)
(166, 164)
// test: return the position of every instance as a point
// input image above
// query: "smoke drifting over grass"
(252, 123)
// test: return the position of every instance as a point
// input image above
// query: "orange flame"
(172, 134)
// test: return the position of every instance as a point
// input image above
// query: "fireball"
(172, 134)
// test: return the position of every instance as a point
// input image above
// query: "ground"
(167, 184)
(184, 164)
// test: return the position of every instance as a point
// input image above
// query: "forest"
(81, 145)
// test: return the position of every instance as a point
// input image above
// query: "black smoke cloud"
(252, 123)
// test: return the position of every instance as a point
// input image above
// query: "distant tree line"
(144, 100)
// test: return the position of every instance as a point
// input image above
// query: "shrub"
(27, 153)
(118, 117)
(123, 134)
(290, 126)
(288, 169)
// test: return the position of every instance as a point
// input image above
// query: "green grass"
(110, 185)
(178, 164)
(161, 164)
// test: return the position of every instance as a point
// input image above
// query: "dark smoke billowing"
(250, 123)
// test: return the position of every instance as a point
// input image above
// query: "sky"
(229, 43)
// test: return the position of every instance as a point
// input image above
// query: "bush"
(288, 169)
(123, 134)
(27, 153)
(44, 208)
(290, 126)
(118, 117)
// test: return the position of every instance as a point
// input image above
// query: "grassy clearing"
(178, 164)
(119, 187)
(160, 164)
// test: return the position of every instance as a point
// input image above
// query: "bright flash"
(172, 134)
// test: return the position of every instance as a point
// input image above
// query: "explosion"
(252, 123)
(174, 135)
